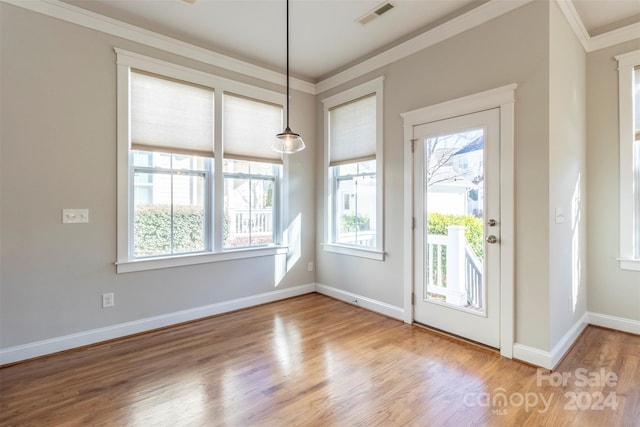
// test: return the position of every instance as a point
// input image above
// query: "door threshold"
(458, 338)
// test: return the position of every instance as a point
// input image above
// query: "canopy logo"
(599, 400)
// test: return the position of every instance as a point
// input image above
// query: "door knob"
(492, 239)
(491, 223)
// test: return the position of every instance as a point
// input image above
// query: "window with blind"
(196, 174)
(354, 164)
(251, 171)
(171, 147)
(629, 145)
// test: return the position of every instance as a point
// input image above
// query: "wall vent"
(373, 14)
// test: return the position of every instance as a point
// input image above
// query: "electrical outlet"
(108, 300)
(310, 266)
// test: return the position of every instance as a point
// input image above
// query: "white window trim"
(124, 263)
(364, 89)
(504, 98)
(626, 63)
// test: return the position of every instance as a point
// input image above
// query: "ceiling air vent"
(373, 14)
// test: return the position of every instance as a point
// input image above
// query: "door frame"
(502, 98)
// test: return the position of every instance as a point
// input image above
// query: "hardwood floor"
(312, 360)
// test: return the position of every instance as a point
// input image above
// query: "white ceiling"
(325, 36)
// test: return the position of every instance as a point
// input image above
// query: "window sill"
(193, 259)
(629, 264)
(354, 251)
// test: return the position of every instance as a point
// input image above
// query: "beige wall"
(58, 148)
(611, 291)
(567, 177)
(59, 151)
(510, 49)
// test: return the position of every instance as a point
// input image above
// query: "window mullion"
(171, 212)
(217, 199)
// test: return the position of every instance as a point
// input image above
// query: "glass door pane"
(454, 226)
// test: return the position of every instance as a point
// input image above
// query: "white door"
(457, 225)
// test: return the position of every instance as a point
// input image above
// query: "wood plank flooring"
(315, 361)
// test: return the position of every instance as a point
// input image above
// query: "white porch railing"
(453, 270)
(361, 238)
(258, 221)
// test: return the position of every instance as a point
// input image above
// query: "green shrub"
(437, 223)
(351, 223)
(152, 230)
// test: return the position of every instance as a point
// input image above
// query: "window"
(353, 158)
(251, 171)
(197, 180)
(629, 110)
(249, 194)
(171, 143)
(170, 195)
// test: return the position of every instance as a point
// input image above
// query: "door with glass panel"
(457, 226)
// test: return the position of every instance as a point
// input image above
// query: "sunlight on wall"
(279, 268)
(576, 263)
(291, 238)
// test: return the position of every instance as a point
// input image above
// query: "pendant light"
(288, 141)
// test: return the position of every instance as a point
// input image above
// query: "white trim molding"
(550, 360)
(80, 339)
(627, 256)
(126, 61)
(601, 41)
(79, 16)
(504, 99)
(562, 347)
(76, 15)
(362, 301)
(475, 17)
(374, 86)
(532, 355)
(614, 322)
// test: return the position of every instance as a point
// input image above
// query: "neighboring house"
(456, 180)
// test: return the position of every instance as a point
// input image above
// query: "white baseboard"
(522, 352)
(532, 355)
(613, 322)
(364, 302)
(546, 359)
(54, 345)
(560, 349)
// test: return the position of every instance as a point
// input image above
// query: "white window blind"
(352, 131)
(168, 115)
(250, 126)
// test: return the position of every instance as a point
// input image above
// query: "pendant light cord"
(287, 64)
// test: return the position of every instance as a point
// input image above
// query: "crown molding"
(459, 24)
(612, 38)
(88, 19)
(94, 21)
(571, 14)
(471, 19)
(589, 43)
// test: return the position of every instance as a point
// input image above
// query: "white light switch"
(559, 215)
(75, 216)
